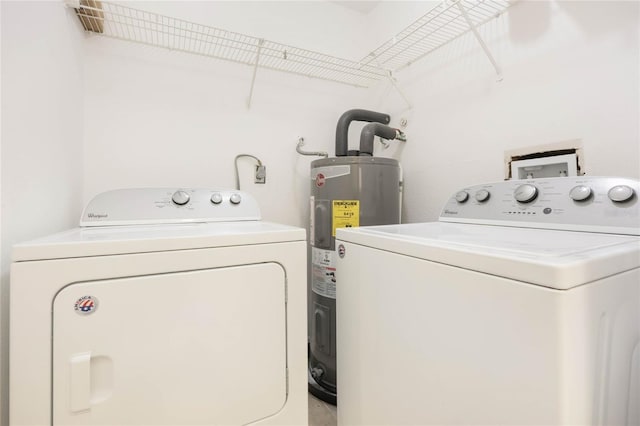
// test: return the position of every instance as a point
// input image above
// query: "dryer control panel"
(139, 206)
(591, 204)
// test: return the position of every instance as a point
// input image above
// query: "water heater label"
(323, 272)
(346, 214)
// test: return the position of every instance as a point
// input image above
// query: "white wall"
(571, 71)
(160, 118)
(139, 116)
(41, 135)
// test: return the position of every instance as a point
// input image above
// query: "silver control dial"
(235, 198)
(525, 193)
(620, 193)
(180, 198)
(482, 195)
(462, 196)
(216, 198)
(580, 193)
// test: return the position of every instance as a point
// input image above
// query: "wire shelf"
(125, 23)
(439, 26)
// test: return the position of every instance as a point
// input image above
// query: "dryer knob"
(482, 195)
(216, 198)
(580, 193)
(235, 198)
(525, 193)
(462, 196)
(180, 197)
(620, 193)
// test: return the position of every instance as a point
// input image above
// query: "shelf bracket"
(474, 29)
(392, 80)
(255, 71)
(400, 92)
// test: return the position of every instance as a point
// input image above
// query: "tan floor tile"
(321, 413)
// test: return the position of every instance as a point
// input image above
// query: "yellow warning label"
(346, 214)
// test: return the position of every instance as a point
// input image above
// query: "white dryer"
(520, 306)
(164, 308)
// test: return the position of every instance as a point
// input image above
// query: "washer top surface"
(160, 219)
(547, 249)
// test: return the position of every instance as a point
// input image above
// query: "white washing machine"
(520, 306)
(164, 308)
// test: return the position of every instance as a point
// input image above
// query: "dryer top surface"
(109, 240)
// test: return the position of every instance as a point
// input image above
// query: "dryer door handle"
(80, 382)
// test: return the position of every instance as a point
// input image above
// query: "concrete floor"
(321, 413)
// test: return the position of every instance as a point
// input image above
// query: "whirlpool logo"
(97, 215)
(446, 211)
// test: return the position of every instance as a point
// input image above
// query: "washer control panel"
(591, 204)
(136, 206)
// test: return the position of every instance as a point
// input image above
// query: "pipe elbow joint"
(370, 131)
(342, 129)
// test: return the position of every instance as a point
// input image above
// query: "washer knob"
(525, 193)
(180, 197)
(235, 198)
(482, 195)
(462, 196)
(620, 193)
(216, 198)
(580, 193)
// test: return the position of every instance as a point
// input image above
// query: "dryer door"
(198, 347)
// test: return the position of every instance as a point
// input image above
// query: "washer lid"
(100, 241)
(556, 259)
